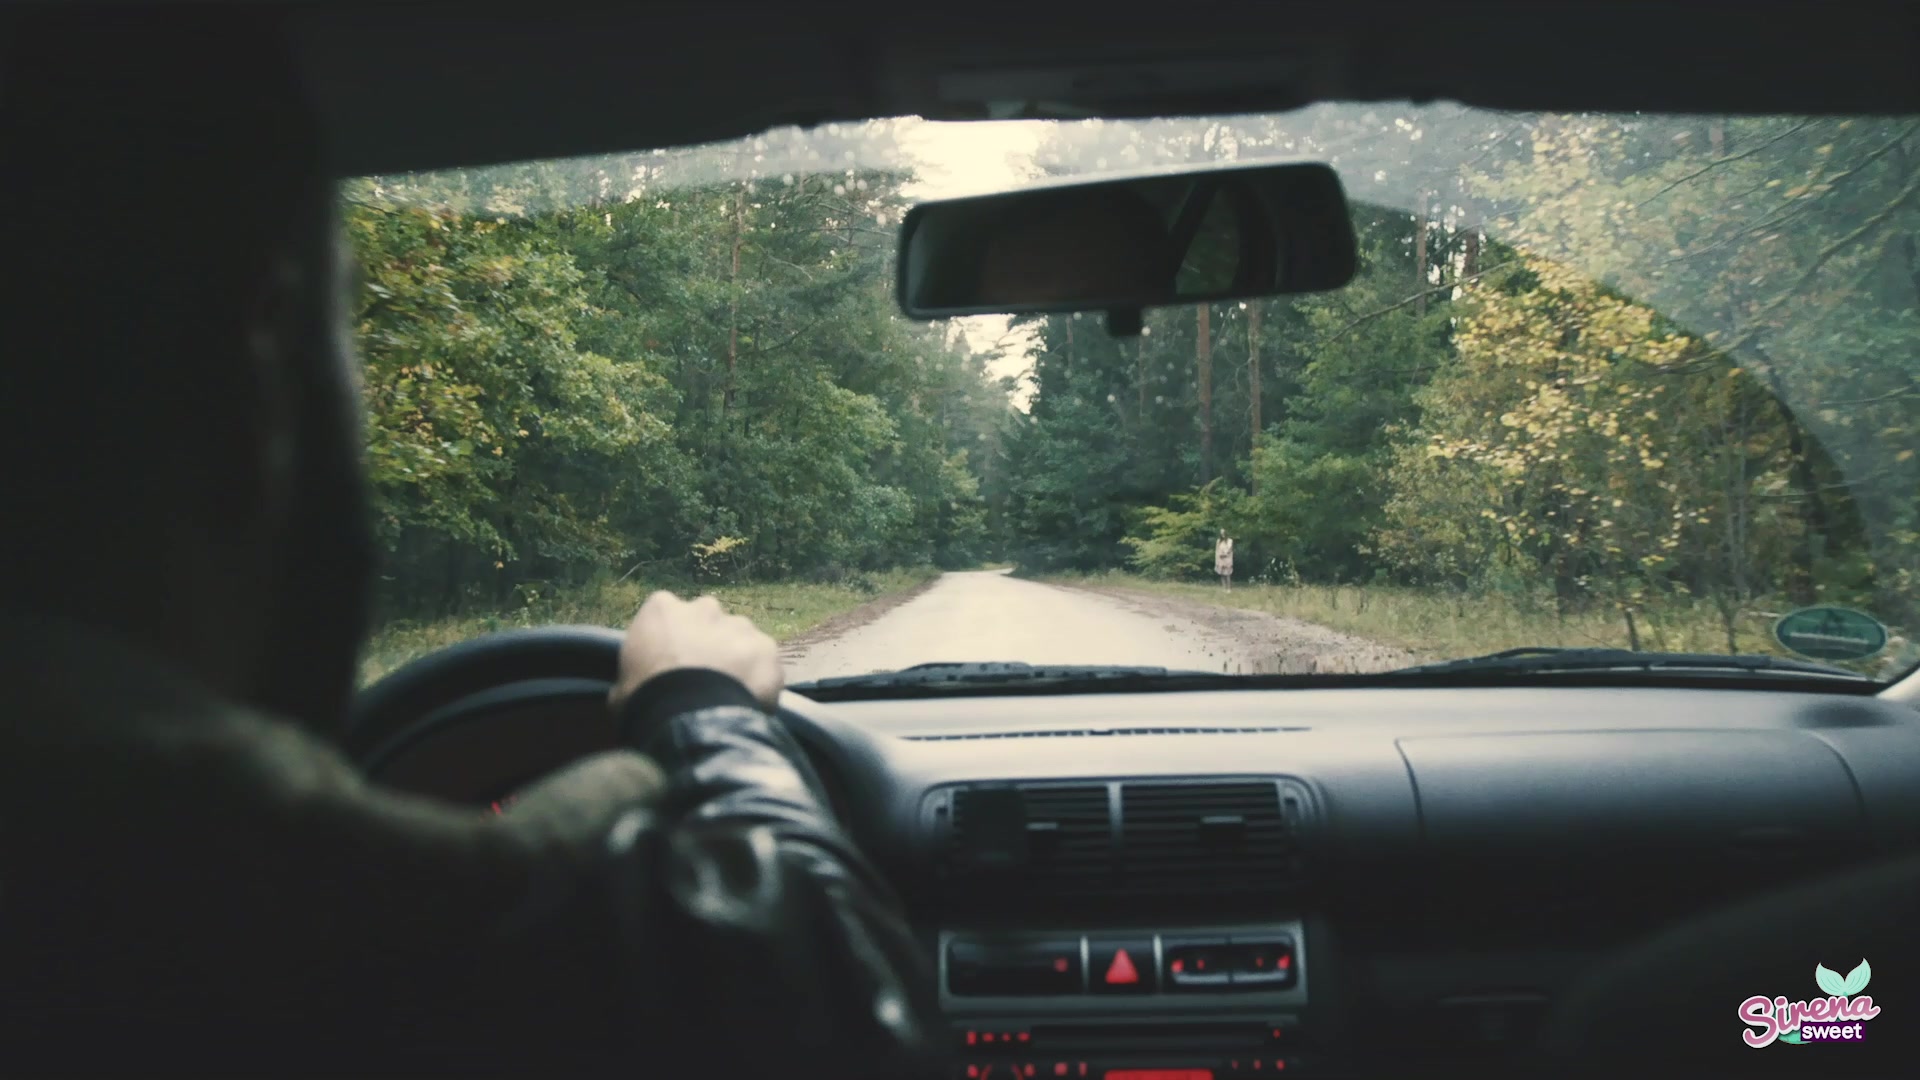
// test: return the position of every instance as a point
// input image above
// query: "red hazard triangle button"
(1122, 966)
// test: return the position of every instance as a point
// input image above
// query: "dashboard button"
(990, 1039)
(1196, 963)
(1014, 969)
(1121, 965)
(1264, 964)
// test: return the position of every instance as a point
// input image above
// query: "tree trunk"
(1253, 383)
(1420, 254)
(1566, 584)
(1203, 353)
(1814, 519)
(1140, 373)
(1729, 610)
(450, 584)
(733, 304)
(1734, 516)
(1470, 254)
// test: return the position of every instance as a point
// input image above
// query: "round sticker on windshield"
(1830, 633)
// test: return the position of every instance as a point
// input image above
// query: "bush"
(719, 559)
(1177, 541)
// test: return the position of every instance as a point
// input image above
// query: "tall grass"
(782, 609)
(1443, 625)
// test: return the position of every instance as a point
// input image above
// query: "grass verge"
(1437, 625)
(783, 609)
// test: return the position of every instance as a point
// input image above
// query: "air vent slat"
(1226, 837)
(1069, 842)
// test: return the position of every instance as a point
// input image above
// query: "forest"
(586, 370)
(1591, 363)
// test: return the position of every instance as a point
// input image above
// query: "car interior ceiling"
(1438, 863)
(506, 82)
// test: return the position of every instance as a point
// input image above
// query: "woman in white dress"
(1223, 560)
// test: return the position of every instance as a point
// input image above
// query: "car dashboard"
(1227, 883)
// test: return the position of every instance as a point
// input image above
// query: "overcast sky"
(955, 159)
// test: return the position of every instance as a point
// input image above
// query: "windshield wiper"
(982, 673)
(1512, 667)
(1547, 659)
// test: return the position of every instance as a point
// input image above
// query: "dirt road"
(989, 615)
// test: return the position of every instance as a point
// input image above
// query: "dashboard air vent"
(1210, 837)
(1032, 838)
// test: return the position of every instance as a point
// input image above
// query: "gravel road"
(990, 615)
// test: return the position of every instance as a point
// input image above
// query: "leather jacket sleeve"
(755, 935)
(194, 887)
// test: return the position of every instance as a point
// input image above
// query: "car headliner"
(421, 84)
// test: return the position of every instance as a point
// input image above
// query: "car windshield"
(1630, 381)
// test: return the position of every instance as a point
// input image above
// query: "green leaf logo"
(1857, 978)
(1830, 982)
(1836, 985)
(1791, 1037)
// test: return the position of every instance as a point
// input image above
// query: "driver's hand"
(671, 633)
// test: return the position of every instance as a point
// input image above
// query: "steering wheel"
(434, 695)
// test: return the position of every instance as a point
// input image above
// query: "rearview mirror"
(1127, 244)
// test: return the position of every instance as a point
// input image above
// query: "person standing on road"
(1223, 560)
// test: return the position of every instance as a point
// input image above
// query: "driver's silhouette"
(191, 878)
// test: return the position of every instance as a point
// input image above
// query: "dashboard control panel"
(1193, 1003)
(1245, 1050)
(1121, 964)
